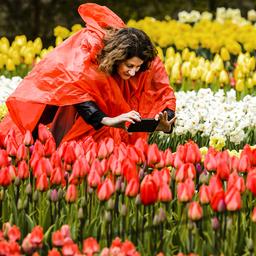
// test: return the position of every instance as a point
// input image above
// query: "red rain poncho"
(69, 75)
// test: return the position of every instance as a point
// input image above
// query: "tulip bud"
(250, 245)
(54, 195)
(122, 187)
(90, 190)
(107, 216)
(118, 184)
(156, 220)
(60, 193)
(28, 189)
(190, 225)
(25, 203)
(215, 223)
(17, 181)
(20, 204)
(36, 195)
(1, 195)
(204, 177)
(48, 194)
(253, 216)
(80, 213)
(123, 210)
(110, 204)
(229, 223)
(162, 214)
(138, 200)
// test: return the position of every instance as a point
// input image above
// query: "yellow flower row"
(185, 65)
(29, 52)
(207, 34)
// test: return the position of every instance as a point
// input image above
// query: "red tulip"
(133, 154)
(50, 146)
(132, 187)
(234, 163)
(164, 193)
(14, 233)
(56, 160)
(236, 181)
(70, 248)
(204, 194)
(193, 154)
(215, 184)
(115, 165)
(4, 161)
(65, 231)
(195, 211)
(43, 133)
(14, 249)
(11, 147)
(253, 215)
(93, 178)
(12, 171)
(42, 182)
(244, 164)
(71, 194)
(57, 176)
(103, 150)
(210, 162)
(165, 175)
(39, 148)
(177, 161)
(129, 169)
(57, 238)
(218, 202)
(90, 246)
(168, 157)
(251, 181)
(105, 190)
(53, 252)
(223, 170)
(185, 171)
(128, 248)
(28, 138)
(22, 152)
(153, 155)
(184, 191)
(69, 155)
(43, 165)
(5, 177)
(233, 200)
(36, 237)
(148, 190)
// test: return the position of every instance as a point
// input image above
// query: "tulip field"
(192, 192)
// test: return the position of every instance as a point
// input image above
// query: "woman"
(92, 84)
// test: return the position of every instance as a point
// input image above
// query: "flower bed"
(186, 201)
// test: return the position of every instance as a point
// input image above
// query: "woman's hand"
(119, 121)
(164, 125)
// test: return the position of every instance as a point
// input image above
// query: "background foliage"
(38, 17)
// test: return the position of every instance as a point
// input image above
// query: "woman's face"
(129, 68)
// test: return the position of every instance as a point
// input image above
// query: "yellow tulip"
(4, 46)
(76, 27)
(58, 40)
(37, 45)
(238, 74)
(10, 66)
(239, 85)
(29, 58)
(169, 52)
(185, 54)
(160, 53)
(61, 32)
(252, 63)
(186, 68)
(224, 54)
(254, 78)
(175, 74)
(195, 74)
(43, 53)
(209, 77)
(20, 40)
(1, 61)
(249, 83)
(223, 77)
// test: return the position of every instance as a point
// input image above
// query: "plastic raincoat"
(69, 75)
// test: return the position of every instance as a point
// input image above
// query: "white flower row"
(215, 115)
(7, 86)
(211, 114)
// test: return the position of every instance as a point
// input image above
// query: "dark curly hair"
(123, 44)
